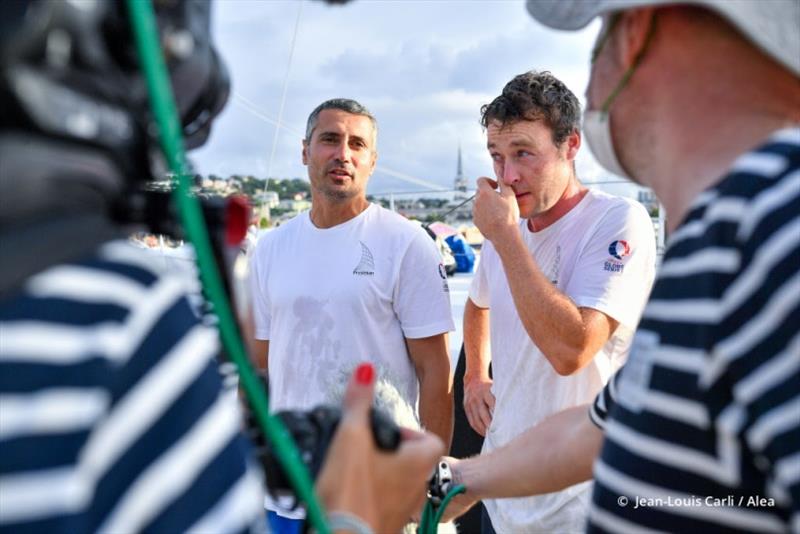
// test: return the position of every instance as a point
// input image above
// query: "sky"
(423, 67)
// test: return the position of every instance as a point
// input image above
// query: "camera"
(313, 431)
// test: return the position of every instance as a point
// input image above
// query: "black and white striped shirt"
(112, 417)
(702, 425)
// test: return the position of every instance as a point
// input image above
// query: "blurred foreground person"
(112, 416)
(700, 431)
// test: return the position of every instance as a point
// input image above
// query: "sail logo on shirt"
(366, 265)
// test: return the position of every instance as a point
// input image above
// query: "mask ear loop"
(636, 61)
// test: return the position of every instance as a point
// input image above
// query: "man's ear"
(572, 144)
(305, 152)
(632, 33)
(374, 161)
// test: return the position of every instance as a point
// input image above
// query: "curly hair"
(533, 96)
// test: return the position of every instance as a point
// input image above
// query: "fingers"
(485, 415)
(476, 425)
(474, 419)
(489, 399)
(360, 390)
(408, 433)
(484, 183)
(458, 507)
(426, 449)
(505, 190)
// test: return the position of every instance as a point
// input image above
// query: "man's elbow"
(570, 362)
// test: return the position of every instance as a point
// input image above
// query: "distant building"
(648, 198)
(268, 198)
(460, 184)
(295, 206)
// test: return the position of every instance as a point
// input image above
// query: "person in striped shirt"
(700, 430)
(112, 413)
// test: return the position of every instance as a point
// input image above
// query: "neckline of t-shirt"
(339, 226)
(579, 207)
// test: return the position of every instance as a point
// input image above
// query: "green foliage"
(287, 189)
(252, 186)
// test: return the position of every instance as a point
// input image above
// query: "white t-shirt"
(329, 299)
(602, 255)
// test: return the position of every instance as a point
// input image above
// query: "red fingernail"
(365, 373)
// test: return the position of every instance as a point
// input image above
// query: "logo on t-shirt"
(443, 274)
(618, 249)
(366, 265)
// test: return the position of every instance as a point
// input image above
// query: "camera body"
(313, 432)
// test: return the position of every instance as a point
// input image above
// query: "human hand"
(461, 503)
(495, 213)
(478, 403)
(384, 489)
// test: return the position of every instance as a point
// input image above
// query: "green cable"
(145, 32)
(429, 522)
(424, 521)
(449, 497)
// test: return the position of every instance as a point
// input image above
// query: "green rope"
(145, 32)
(432, 515)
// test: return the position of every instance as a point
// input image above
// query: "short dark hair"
(343, 104)
(533, 96)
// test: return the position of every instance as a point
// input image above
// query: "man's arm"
(555, 454)
(261, 348)
(432, 363)
(567, 335)
(478, 398)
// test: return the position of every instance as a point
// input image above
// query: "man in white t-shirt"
(563, 278)
(349, 282)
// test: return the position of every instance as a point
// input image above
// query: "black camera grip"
(313, 432)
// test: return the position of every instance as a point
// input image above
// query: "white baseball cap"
(772, 25)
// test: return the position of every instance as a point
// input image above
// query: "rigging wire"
(283, 94)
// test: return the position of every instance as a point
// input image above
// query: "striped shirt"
(112, 416)
(702, 425)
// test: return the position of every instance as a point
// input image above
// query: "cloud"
(423, 67)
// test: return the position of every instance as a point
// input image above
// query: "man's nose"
(343, 151)
(510, 174)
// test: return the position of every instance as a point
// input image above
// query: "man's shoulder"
(286, 230)
(617, 204)
(606, 214)
(395, 230)
(772, 166)
(759, 192)
(394, 221)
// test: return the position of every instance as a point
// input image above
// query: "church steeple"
(460, 184)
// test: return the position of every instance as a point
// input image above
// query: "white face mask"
(597, 132)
